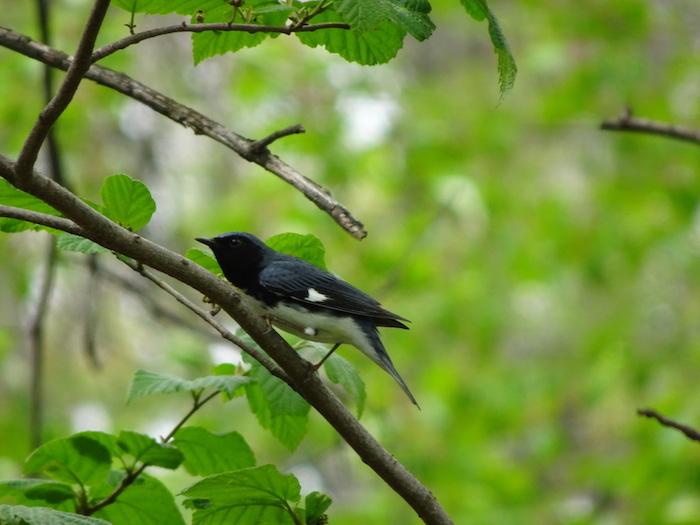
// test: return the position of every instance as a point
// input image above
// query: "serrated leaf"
(204, 259)
(127, 201)
(413, 17)
(362, 15)
(77, 459)
(69, 242)
(263, 486)
(146, 502)
(316, 504)
(276, 406)
(146, 383)
(11, 196)
(147, 450)
(306, 247)
(19, 514)
(507, 69)
(343, 373)
(206, 453)
(369, 48)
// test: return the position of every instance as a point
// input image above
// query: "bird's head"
(237, 251)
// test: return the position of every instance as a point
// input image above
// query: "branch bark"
(199, 123)
(627, 122)
(101, 230)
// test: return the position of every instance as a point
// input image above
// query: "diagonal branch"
(103, 231)
(225, 333)
(51, 221)
(689, 432)
(627, 122)
(64, 95)
(199, 123)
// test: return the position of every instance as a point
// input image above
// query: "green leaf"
(316, 504)
(206, 453)
(210, 43)
(147, 450)
(306, 247)
(252, 493)
(413, 16)
(21, 515)
(150, 383)
(69, 242)
(507, 69)
(369, 48)
(204, 259)
(342, 372)
(165, 7)
(77, 459)
(127, 201)
(11, 196)
(363, 15)
(146, 502)
(477, 9)
(38, 492)
(276, 406)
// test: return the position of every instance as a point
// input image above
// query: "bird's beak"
(209, 242)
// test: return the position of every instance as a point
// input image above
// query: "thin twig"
(132, 476)
(200, 124)
(51, 221)
(157, 310)
(689, 432)
(261, 145)
(627, 122)
(225, 333)
(64, 95)
(135, 38)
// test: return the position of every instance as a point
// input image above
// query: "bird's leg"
(268, 321)
(318, 365)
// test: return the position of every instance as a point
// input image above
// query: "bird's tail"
(381, 357)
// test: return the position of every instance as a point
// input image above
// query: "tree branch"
(689, 432)
(225, 333)
(43, 219)
(66, 91)
(259, 146)
(101, 230)
(627, 122)
(200, 124)
(135, 38)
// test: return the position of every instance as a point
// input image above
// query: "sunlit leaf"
(306, 247)
(127, 201)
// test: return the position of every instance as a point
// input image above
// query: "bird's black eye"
(234, 243)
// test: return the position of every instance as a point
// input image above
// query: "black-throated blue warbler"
(305, 300)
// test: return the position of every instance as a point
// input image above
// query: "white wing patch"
(315, 296)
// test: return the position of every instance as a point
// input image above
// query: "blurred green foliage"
(550, 269)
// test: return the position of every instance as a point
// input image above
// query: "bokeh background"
(551, 269)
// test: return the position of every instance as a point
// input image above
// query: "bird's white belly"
(313, 326)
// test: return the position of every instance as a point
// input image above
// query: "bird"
(304, 300)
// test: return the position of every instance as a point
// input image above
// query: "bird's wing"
(309, 285)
